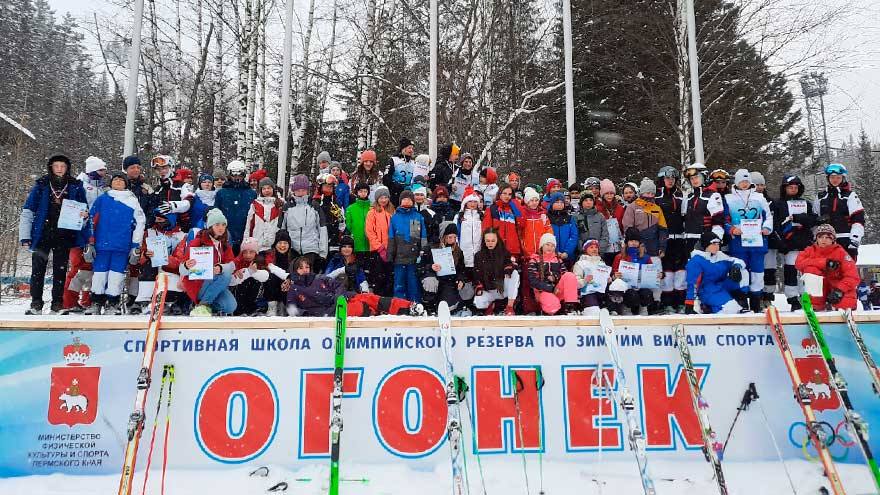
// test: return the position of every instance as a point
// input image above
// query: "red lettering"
(495, 410)
(585, 404)
(315, 406)
(667, 406)
(236, 415)
(402, 430)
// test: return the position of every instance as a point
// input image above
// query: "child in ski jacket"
(841, 207)
(495, 276)
(249, 278)
(552, 283)
(264, 215)
(164, 225)
(636, 298)
(716, 278)
(210, 296)
(565, 228)
(278, 262)
(502, 216)
(612, 210)
(118, 229)
(585, 269)
(377, 227)
(356, 220)
(407, 237)
(829, 260)
(470, 227)
(793, 221)
(671, 199)
(745, 205)
(647, 218)
(444, 287)
(203, 200)
(346, 267)
(305, 223)
(591, 223)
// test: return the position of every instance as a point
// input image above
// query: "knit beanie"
(632, 234)
(742, 175)
(647, 187)
(590, 242)
(93, 164)
(825, 229)
(300, 182)
(490, 174)
(249, 244)
(449, 228)
(419, 189)
(382, 191)
(709, 238)
(407, 194)
(130, 161)
(323, 157)
(368, 156)
(757, 178)
(530, 194)
(266, 181)
(214, 217)
(606, 186)
(346, 240)
(551, 183)
(120, 175)
(547, 238)
(441, 190)
(281, 235)
(258, 175)
(403, 143)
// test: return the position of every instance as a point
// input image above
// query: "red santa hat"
(469, 195)
(258, 175)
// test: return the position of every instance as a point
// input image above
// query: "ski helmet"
(667, 171)
(161, 161)
(835, 168)
(236, 167)
(719, 174)
(592, 182)
(696, 169)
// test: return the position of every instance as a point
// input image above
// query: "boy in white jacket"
(263, 216)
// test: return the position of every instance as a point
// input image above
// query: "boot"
(35, 309)
(755, 302)
(131, 307)
(56, 308)
(510, 310)
(97, 304)
(416, 309)
(490, 310)
(795, 303)
(114, 306)
(743, 301)
(572, 308)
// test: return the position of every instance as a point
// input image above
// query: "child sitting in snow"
(716, 278)
(552, 283)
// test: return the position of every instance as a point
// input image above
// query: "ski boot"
(755, 302)
(795, 303)
(114, 306)
(97, 305)
(416, 309)
(201, 310)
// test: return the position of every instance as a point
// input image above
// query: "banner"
(263, 396)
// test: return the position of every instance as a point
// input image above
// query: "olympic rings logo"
(831, 436)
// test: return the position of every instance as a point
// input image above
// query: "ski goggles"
(159, 161)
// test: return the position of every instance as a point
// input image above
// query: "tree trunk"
(302, 92)
(253, 59)
(244, 64)
(217, 153)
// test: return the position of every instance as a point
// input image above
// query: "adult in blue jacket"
(565, 227)
(234, 200)
(38, 230)
(715, 277)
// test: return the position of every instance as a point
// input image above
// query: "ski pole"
(749, 395)
(518, 386)
(155, 427)
(539, 384)
(170, 368)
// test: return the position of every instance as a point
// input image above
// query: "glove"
(89, 253)
(26, 243)
(835, 296)
(365, 287)
(832, 264)
(430, 284)
(508, 270)
(735, 274)
(134, 256)
(689, 309)
(853, 251)
(165, 207)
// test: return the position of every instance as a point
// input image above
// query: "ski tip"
(341, 305)
(605, 318)
(443, 311)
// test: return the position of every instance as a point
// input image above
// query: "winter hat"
(368, 156)
(490, 174)
(825, 229)
(214, 217)
(346, 240)
(757, 178)
(249, 244)
(258, 175)
(266, 181)
(631, 185)
(361, 185)
(324, 157)
(205, 177)
(456, 149)
(469, 195)
(419, 189)
(281, 235)
(300, 182)
(382, 191)
(449, 228)
(530, 194)
(709, 238)
(58, 158)
(575, 188)
(592, 182)
(590, 242)
(742, 175)
(606, 186)
(335, 164)
(557, 196)
(130, 161)
(440, 190)
(219, 174)
(93, 164)
(511, 176)
(647, 187)
(183, 174)
(551, 183)
(403, 143)
(120, 175)
(407, 194)
(632, 234)
(236, 167)
(547, 238)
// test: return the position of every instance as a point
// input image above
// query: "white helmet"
(236, 167)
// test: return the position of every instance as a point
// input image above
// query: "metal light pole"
(569, 92)
(134, 58)
(285, 93)
(815, 85)
(696, 107)
(432, 102)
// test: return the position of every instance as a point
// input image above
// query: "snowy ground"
(679, 478)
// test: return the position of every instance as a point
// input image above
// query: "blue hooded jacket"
(234, 200)
(36, 210)
(710, 272)
(565, 227)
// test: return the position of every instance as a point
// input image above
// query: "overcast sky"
(854, 99)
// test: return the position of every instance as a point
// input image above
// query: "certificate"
(649, 277)
(71, 215)
(751, 232)
(443, 257)
(158, 244)
(630, 273)
(459, 184)
(797, 206)
(420, 170)
(204, 269)
(613, 231)
(601, 274)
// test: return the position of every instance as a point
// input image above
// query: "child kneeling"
(552, 283)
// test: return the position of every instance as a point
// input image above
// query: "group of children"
(401, 238)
